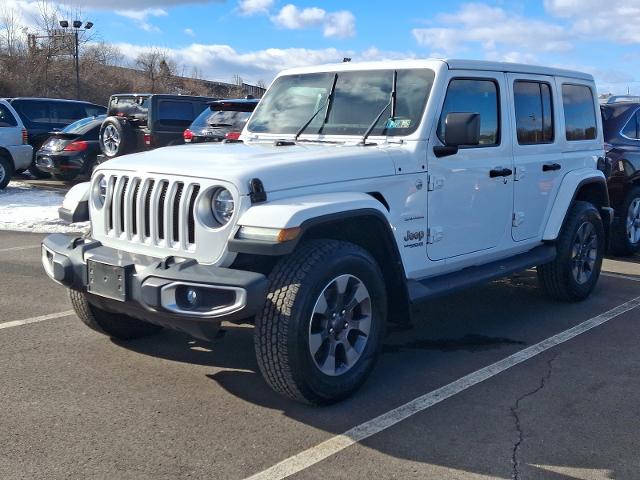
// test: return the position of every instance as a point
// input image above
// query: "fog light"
(192, 297)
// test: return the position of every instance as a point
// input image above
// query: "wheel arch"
(579, 186)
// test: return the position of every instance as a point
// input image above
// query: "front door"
(470, 192)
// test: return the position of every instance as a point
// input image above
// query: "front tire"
(573, 274)
(319, 333)
(115, 325)
(625, 238)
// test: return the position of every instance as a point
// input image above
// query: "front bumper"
(154, 289)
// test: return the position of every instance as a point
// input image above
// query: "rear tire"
(115, 325)
(318, 335)
(573, 274)
(6, 171)
(625, 237)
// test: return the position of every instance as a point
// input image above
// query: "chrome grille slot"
(151, 211)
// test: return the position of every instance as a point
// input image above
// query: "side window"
(579, 112)
(175, 114)
(33, 111)
(632, 128)
(534, 112)
(93, 110)
(6, 117)
(66, 112)
(474, 96)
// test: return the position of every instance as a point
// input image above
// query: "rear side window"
(66, 112)
(474, 96)
(6, 117)
(94, 110)
(534, 112)
(175, 114)
(632, 128)
(579, 112)
(33, 111)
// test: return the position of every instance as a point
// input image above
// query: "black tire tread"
(7, 163)
(271, 326)
(620, 245)
(554, 276)
(114, 325)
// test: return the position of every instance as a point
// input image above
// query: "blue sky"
(257, 38)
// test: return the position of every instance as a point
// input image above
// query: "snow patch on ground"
(25, 208)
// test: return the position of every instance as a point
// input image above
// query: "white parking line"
(365, 430)
(15, 249)
(620, 275)
(41, 318)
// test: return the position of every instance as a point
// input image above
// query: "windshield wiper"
(220, 125)
(326, 106)
(392, 104)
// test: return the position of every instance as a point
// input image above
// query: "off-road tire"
(621, 245)
(115, 325)
(7, 168)
(282, 328)
(126, 135)
(556, 277)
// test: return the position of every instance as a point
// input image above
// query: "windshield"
(359, 97)
(218, 118)
(83, 125)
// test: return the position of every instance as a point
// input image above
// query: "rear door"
(469, 207)
(170, 119)
(538, 159)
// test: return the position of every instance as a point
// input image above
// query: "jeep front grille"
(155, 212)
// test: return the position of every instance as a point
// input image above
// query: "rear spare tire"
(116, 137)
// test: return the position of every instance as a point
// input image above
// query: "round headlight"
(222, 206)
(100, 191)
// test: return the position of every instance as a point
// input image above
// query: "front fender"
(301, 213)
(75, 206)
(571, 184)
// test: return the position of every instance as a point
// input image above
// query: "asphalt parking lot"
(78, 405)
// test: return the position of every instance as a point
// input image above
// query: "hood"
(279, 167)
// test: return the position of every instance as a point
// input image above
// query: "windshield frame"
(418, 116)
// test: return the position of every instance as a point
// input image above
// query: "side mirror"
(461, 128)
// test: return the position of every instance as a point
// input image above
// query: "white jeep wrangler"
(357, 191)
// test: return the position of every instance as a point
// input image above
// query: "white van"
(15, 153)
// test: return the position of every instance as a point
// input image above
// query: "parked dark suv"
(138, 122)
(621, 124)
(224, 119)
(41, 116)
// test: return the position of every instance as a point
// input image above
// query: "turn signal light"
(148, 139)
(25, 136)
(187, 135)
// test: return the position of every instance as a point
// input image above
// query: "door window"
(579, 112)
(6, 117)
(474, 96)
(66, 112)
(534, 112)
(33, 111)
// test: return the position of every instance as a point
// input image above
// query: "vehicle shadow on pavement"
(453, 336)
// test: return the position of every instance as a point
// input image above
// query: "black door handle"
(500, 172)
(549, 167)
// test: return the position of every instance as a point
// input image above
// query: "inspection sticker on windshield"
(398, 123)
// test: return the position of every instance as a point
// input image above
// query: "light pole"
(77, 28)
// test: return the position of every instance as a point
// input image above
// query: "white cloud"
(494, 29)
(190, 32)
(615, 20)
(340, 24)
(222, 62)
(252, 7)
(141, 16)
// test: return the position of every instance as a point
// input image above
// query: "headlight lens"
(100, 191)
(222, 206)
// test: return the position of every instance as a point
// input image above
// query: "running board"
(432, 287)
